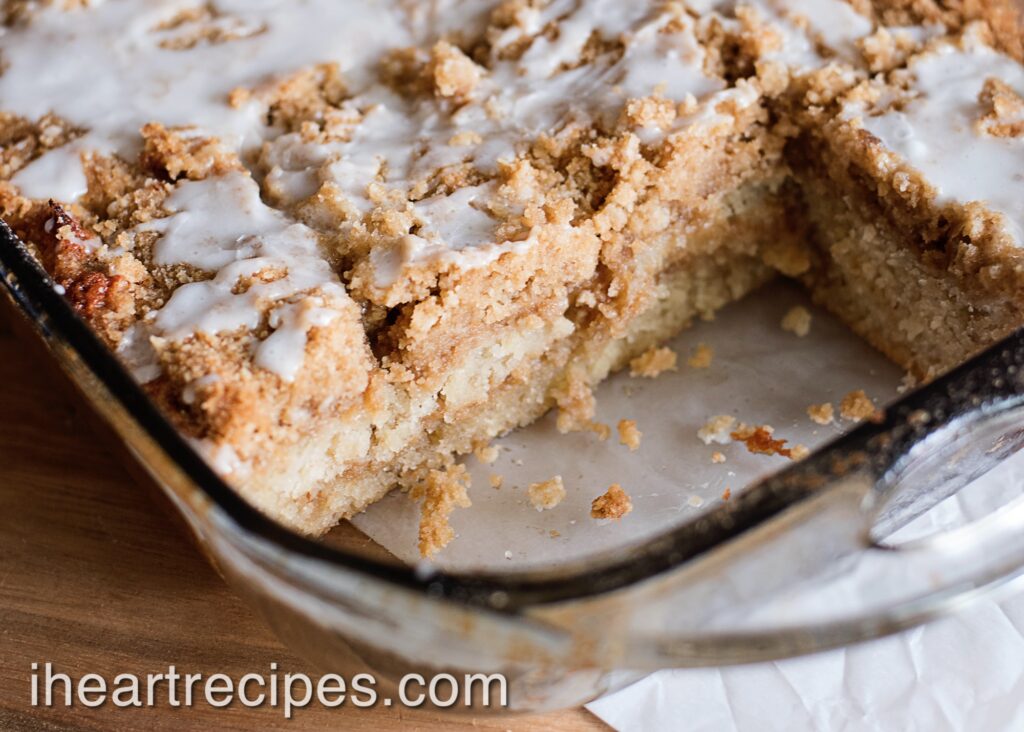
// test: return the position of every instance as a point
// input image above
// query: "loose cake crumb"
(613, 504)
(799, 452)
(908, 382)
(717, 457)
(629, 435)
(441, 492)
(600, 429)
(653, 362)
(727, 494)
(857, 405)
(702, 357)
(496, 481)
(759, 441)
(554, 533)
(797, 320)
(822, 413)
(546, 494)
(716, 429)
(485, 453)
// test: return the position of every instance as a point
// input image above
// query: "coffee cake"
(341, 243)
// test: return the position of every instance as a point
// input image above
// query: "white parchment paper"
(963, 673)
(960, 673)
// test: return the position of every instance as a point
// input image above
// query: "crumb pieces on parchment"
(822, 413)
(702, 357)
(485, 452)
(797, 320)
(554, 533)
(759, 441)
(496, 481)
(600, 429)
(546, 494)
(441, 492)
(612, 504)
(857, 405)
(727, 494)
(629, 435)
(717, 457)
(652, 362)
(716, 429)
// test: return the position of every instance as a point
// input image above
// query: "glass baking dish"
(705, 593)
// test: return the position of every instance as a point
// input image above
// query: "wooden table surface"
(95, 579)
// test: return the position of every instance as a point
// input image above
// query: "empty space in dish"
(760, 374)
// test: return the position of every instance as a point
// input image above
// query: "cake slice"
(916, 198)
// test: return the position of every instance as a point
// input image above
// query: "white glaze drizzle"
(103, 68)
(801, 24)
(221, 225)
(935, 131)
(545, 90)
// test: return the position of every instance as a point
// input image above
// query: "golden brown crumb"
(797, 320)
(717, 457)
(799, 452)
(238, 97)
(441, 492)
(857, 405)
(1003, 110)
(613, 504)
(716, 429)
(554, 533)
(600, 429)
(702, 357)
(653, 362)
(629, 435)
(496, 481)
(485, 453)
(821, 413)
(727, 494)
(464, 138)
(453, 73)
(547, 494)
(759, 441)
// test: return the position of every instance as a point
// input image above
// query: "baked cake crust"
(337, 264)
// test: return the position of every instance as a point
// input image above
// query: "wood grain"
(95, 579)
